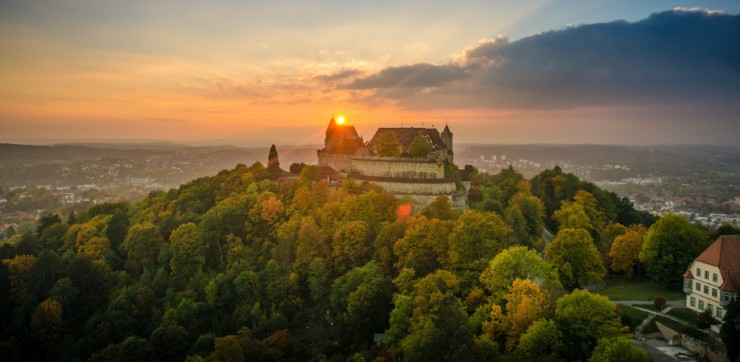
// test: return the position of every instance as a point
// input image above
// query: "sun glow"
(340, 120)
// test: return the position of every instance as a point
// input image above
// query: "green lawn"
(632, 317)
(621, 289)
(685, 314)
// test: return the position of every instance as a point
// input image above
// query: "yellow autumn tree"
(495, 327)
(625, 251)
(525, 303)
(20, 276)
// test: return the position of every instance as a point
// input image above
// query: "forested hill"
(239, 267)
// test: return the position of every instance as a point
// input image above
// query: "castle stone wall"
(416, 188)
(408, 168)
(337, 161)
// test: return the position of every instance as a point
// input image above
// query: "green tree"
(419, 147)
(170, 341)
(424, 246)
(440, 334)
(362, 298)
(574, 255)
(474, 241)
(517, 262)
(584, 318)
(619, 349)
(542, 341)
(730, 332)
(46, 221)
(388, 145)
(440, 208)
(142, 245)
(188, 251)
(311, 243)
(669, 246)
(572, 215)
(525, 215)
(350, 247)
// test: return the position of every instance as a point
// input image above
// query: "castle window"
(714, 277)
(709, 308)
(714, 292)
(698, 272)
(698, 286)
(706, 274)
(693, 302)
(701, 304)
(706, 290)
(719, 312)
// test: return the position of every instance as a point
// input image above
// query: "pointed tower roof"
(446, 130)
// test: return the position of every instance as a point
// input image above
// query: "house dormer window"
(714, 277)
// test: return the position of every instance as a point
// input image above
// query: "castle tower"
(447, 140)
(341, 144)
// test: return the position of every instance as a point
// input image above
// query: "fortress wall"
(337, 161)
(398, 168)
(459, 201)
(417, 188)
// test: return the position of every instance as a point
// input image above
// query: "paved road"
(672, 304)
(681, 303)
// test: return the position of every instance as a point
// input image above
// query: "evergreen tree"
(730, 332)
(273, 162)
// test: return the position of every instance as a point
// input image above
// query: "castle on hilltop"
(421, 178)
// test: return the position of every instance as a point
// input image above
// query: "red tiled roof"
(724, 253)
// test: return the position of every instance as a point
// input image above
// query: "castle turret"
(446, 136)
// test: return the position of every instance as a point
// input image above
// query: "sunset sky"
(256, 73)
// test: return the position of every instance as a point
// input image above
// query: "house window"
(687, 284)
(709, 309)
(726, 297)
(719, 312)
(706, 290)
(693, 302)
(714, 292)
(701, 304)
(698, 272)
(698, 286)
(714, 277)
(706, 274)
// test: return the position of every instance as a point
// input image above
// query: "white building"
(713, 278)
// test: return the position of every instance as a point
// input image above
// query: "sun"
(340, 120)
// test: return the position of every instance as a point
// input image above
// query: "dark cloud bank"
(679, 57)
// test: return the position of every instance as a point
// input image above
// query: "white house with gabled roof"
(713, 278)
